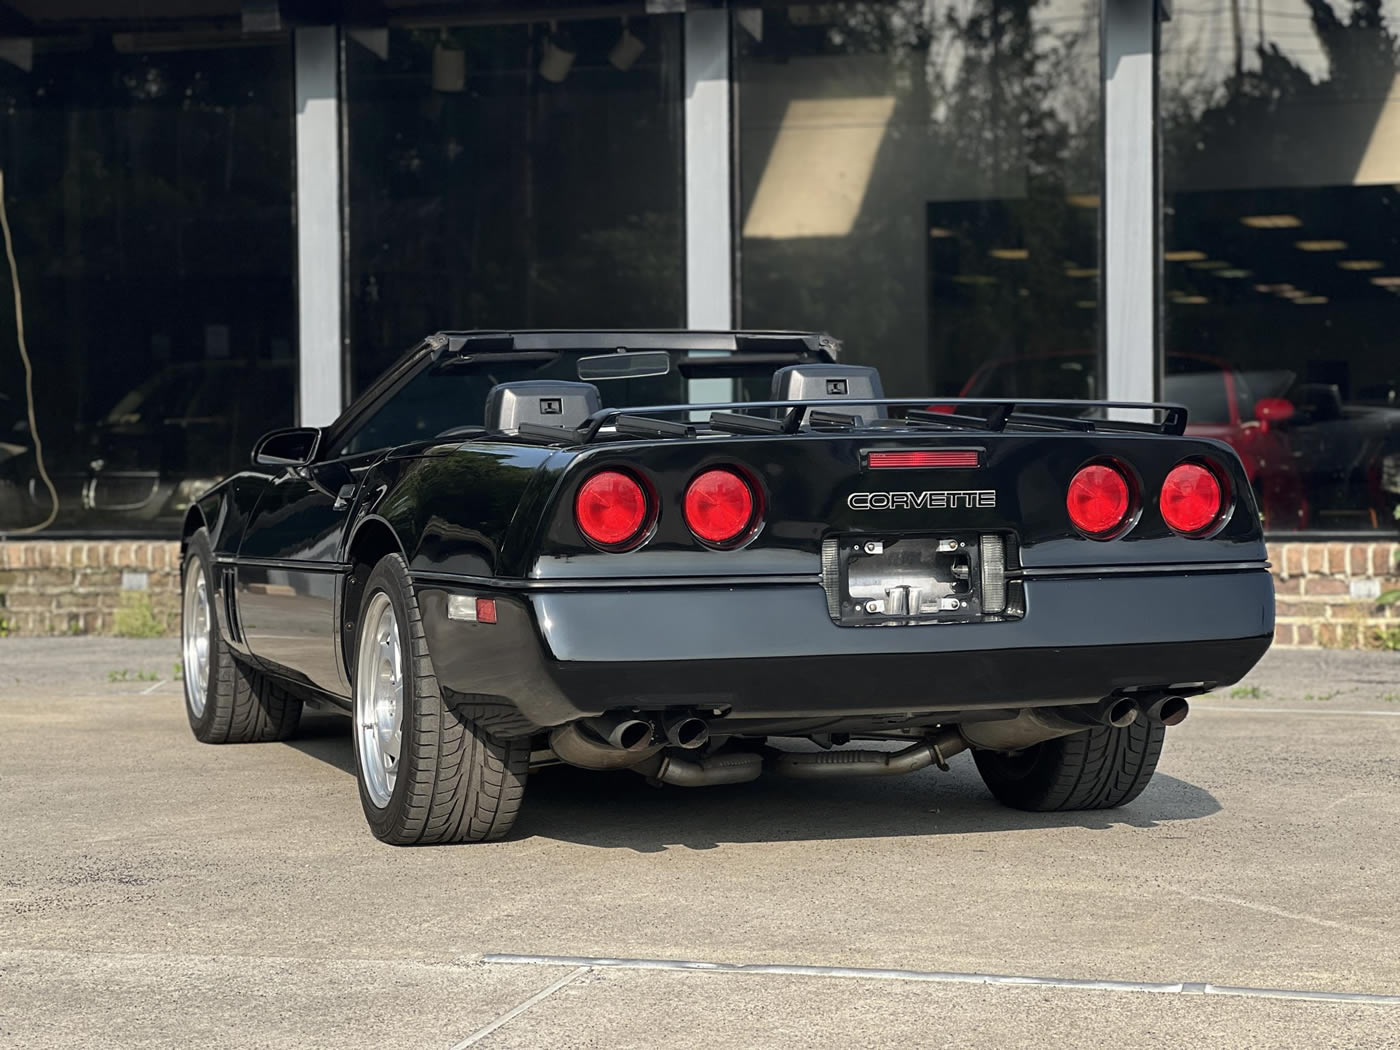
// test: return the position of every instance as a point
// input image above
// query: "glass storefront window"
(513, 176)
(148, 184)
(922, 181)
(1281, 175)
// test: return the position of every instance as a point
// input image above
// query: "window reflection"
(1281, 158)
(922, 179)
(513, 176)
(149, 193)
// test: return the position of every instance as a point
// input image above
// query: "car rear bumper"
(771, 651)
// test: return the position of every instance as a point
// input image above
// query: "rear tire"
(226, 701)
(427, 773)
(1101, 768)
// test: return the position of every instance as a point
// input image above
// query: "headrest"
(831, 382)
(549, 402)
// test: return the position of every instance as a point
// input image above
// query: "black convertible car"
(522, 548)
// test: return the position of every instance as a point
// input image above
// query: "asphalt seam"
(515, 1011)
(1211, 708)
(585, 963)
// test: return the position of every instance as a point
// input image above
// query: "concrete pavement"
(157, 892)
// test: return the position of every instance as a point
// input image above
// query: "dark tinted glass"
(921, 179)
(453, 394)
(150, 198)
(513, 177)
(1281, 159)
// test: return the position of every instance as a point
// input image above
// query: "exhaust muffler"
(1036, 725)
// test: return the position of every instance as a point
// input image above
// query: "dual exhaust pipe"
(626, 742)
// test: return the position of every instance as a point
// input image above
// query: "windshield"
(452, 394)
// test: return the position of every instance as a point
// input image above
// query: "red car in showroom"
(1222, 402)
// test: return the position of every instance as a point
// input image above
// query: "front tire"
(226, 701)
(427, 773)
(1101, 768)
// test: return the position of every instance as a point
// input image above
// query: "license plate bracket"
(900, 580)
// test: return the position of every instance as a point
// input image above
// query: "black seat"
(834, 383)
(548, 402)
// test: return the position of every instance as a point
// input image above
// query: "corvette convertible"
(519, 549)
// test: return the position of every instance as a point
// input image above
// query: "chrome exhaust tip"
(1119, 711)
(686, 731)
(623, 732)
(1169, 710)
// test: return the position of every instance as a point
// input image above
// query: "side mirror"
(292, 447)
(1272, 410)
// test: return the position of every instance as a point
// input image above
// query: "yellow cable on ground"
(28, 373)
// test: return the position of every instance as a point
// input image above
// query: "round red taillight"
(1099, 499)
(1191, 498)
(611, 508)
(719, 506)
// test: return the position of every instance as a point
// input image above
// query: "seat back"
(831, 383)
(548, 402)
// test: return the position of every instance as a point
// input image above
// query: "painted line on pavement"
(584, 962)
(516, 1011)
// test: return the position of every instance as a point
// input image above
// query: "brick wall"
(1326, 591)
(1326, 594)
(56, 587)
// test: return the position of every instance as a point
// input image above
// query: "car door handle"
(344, 496)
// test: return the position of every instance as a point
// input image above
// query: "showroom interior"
(229, 216)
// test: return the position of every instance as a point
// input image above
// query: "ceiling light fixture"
(449, 66)
(1310, 300)
(1190, 300)
(1009, 253)
(626, 51)
(940, 231)
(1183, 256)
(1234, 274)
(1083, 200)
(1081, 271)
(1320, 246)
(1361, 264)
(1210, 264)
(557, 59)
(1271, 222)
(18, 52)
(1386, 282)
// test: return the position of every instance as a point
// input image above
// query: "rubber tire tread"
(1102, 768)
(243, 705)
(456, 781)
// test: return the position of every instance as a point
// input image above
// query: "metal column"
(1131, 201)
(318, 224)
(708, 230)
